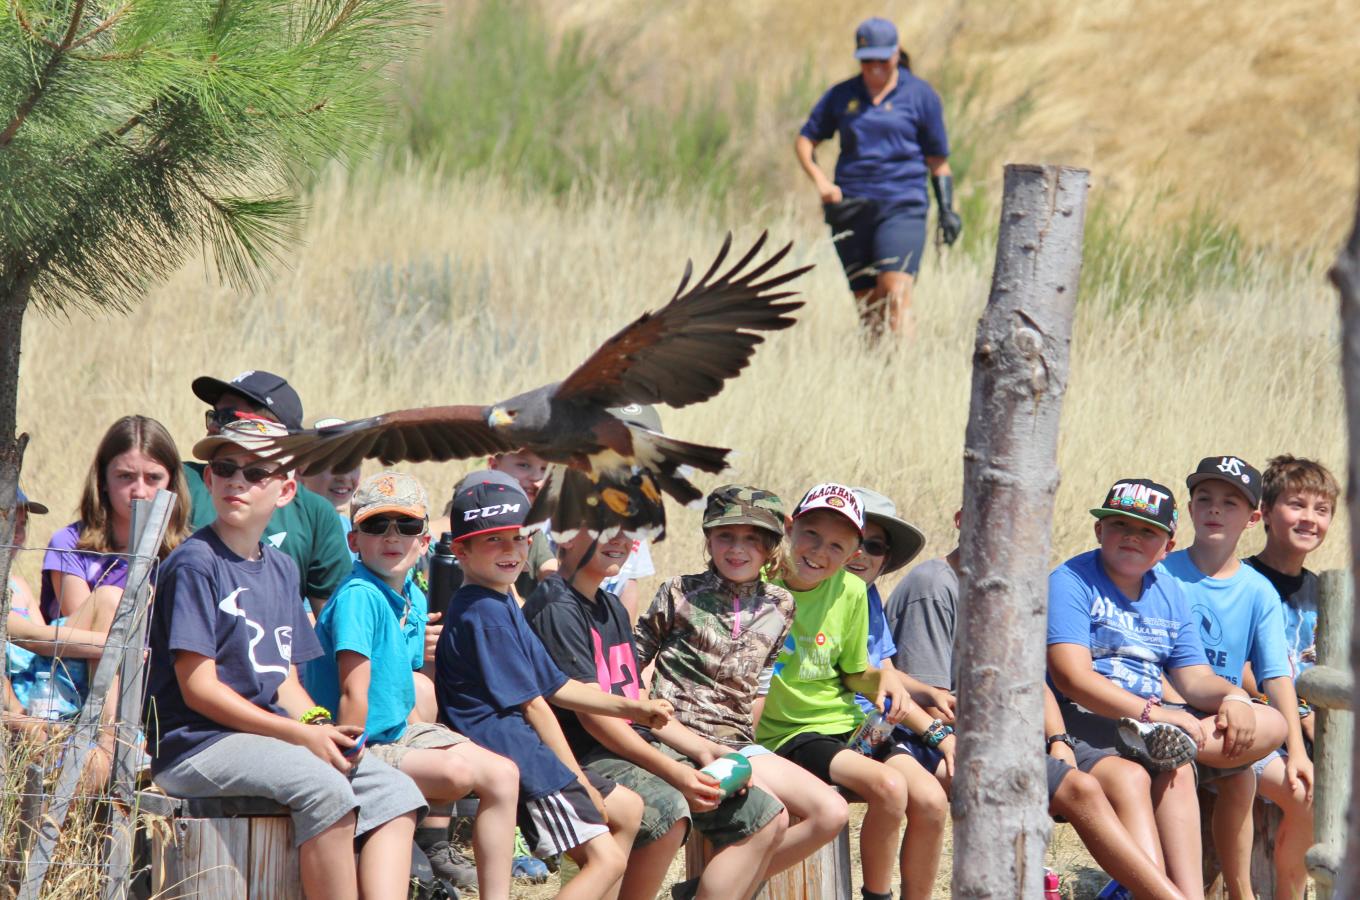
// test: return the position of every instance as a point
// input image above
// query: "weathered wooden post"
(1001, 822)
(127, 635)
(1327, 688)
(1345, 275)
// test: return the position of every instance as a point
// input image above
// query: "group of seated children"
(589, 732)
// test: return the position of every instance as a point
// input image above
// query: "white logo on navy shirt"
(229, 606)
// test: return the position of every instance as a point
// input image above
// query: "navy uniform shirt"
(884, 147)
(488, 663)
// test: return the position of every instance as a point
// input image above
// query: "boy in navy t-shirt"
(1116, 625)
(1241, 621)
(494, 678)
(227, 715)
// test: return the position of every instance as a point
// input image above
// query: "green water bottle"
(732, 772)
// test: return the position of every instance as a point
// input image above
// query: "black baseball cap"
(1141, 499)
(264, 389)
(1233, 469)
(484, 502)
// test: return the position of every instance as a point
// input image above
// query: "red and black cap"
(485, 502)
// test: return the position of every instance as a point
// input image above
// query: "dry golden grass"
(1249, 110)
(413, 290)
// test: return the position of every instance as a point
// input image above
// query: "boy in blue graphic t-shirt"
(1241, 620)
(227, 715)
(1116, 625)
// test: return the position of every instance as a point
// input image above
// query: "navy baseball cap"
(264, 389)
(1141, 499)
(1234, 470)
(876, 39)
(484, 502)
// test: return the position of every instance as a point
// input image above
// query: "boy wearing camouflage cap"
(372, 635)
(712, 635)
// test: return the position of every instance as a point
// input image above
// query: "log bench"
(237, 847)
(1266, 824)
(825, 875)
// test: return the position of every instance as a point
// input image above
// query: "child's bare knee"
(1079, 791)
(888, 791)
(603, 854)
(930, 804)
(625, 806)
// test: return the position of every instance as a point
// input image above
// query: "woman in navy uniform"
(892, 137)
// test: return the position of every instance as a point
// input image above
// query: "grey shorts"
(417, 736)
(735, 819)
(251, 765)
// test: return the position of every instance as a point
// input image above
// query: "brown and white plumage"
(678, 355)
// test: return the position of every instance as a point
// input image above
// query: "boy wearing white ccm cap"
(811, 712)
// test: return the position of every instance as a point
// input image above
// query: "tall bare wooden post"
(1346, 276)
(1001, 821)
(1327, 686)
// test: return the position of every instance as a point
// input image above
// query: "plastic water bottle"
(446, 576)
(732, 772)
(873, 732)
(1051, 885)
(43, 700)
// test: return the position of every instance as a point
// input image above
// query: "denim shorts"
(873, 236)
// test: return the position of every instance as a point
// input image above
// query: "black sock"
(871, 895)
(428, 837)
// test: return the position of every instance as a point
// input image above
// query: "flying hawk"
(678, 355)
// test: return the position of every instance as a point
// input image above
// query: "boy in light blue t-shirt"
(372, 634)
(1241, 620)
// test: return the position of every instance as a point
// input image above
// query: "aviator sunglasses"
(408, 526)
(253, 474)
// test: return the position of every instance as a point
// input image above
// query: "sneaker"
(1157, 745)
(451, 865)
(1114, 890)
(529, 868)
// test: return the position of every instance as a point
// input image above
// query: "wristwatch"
(1063, 738)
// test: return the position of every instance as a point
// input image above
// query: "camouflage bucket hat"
(738, 504)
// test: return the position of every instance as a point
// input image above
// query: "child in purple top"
(136, 457)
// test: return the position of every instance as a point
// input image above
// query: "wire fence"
(57, 638)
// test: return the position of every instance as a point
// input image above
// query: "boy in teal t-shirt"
(810, 711)
(1241, 620)
(372, 635)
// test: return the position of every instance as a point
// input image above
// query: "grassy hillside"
(418, 289)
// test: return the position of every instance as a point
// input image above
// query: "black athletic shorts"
(814, 751)
(873, 236)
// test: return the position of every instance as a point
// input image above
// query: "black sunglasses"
(875, 547)
(406, 525)
(253, 474)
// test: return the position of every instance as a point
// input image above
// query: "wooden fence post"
(1345, 274)
(1001, 821)
(1325, 686)
(127, 635)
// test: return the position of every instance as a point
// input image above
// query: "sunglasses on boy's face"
(875, 547)
(252, 473)
(407, 526)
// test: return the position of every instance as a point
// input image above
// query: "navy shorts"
(873, 236)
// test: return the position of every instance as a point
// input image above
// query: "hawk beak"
(498, 417)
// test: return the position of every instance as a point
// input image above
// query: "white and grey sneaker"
(1159, 746)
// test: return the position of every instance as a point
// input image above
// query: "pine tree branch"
(97, 30)
(41, 82)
